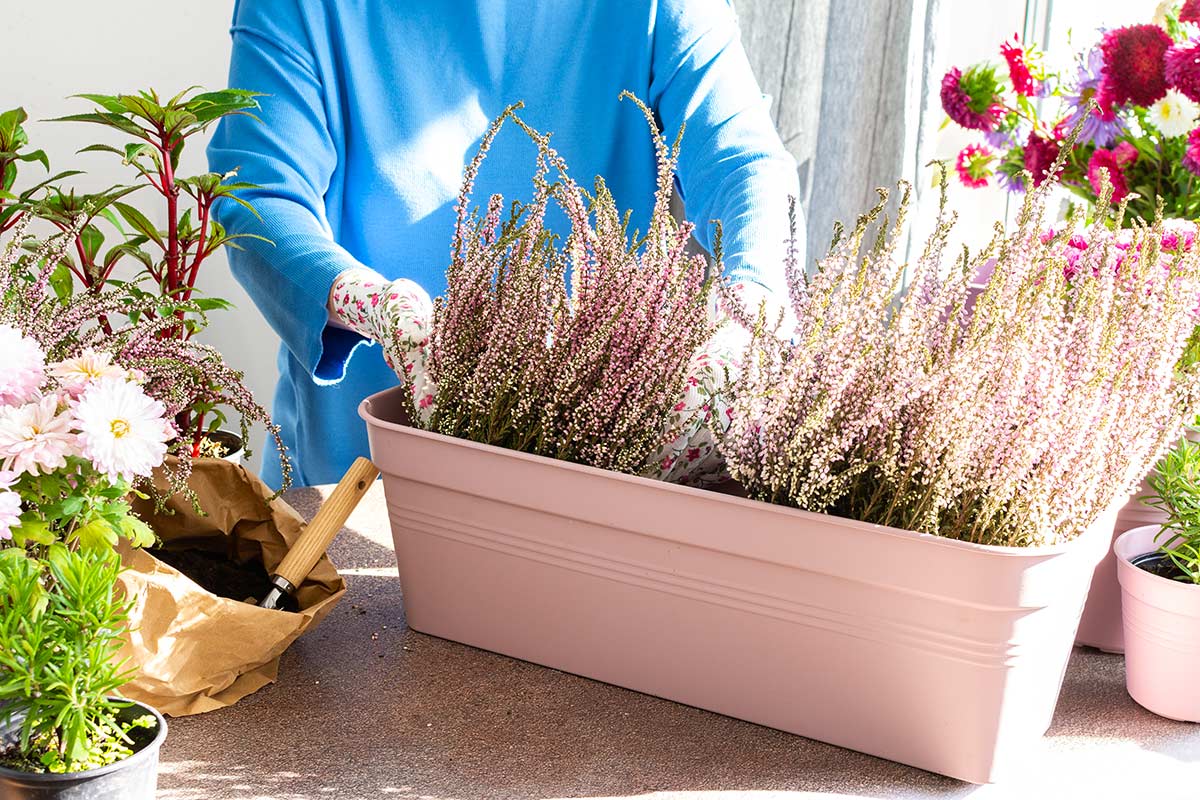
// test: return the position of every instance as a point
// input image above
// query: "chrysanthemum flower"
(22, 367)
(1040, 153)
(1190, 12)
(972, 99)
(123, 431)
(1018, 68)
(974, 165)
(1101, 125)
(75, 374)
(35, 437)
(1181, 66)
(1133, 64)
(1113, 162)
(1174, 115)
(10, 513)
(1191, 157)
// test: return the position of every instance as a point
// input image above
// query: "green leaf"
(138, 221)
(95, 535)
(36, 531)
(137, 532)
(62, 282)
(92, 240)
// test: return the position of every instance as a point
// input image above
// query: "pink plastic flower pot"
(936, 653)
(1100, 625)
(1162, 633)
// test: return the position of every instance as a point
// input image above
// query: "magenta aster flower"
(1101, 125)
(1040, 154)
(1182, 69)
(1190, 11)
(1133, 64)
(974, 165)
(1018, 68)
(972, 99)
(1191, 157)
(1114, 162)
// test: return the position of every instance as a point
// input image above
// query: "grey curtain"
(854, 97)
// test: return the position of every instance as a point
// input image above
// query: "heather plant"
(1012, 418)
(577, 349)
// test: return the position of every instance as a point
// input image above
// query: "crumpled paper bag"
(192, 650)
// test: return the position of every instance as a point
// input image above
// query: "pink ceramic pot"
(1100, 625)
(941, 654)
(1162, 632)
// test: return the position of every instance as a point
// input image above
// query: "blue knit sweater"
(371, 108)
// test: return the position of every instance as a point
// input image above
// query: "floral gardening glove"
(397, 314)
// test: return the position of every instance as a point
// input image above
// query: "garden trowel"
(319, 534)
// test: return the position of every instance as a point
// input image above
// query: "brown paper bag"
(194, 651)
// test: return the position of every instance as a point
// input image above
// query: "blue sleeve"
(732, 165)
(290, 155)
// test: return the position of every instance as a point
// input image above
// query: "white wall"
(55, 48)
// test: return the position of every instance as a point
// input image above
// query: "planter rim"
(146, 752)
(635, 480)
(1122, 547)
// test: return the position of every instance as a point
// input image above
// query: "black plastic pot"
(135, 778)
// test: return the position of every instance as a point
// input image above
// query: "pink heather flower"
(10, 513)
(972, 99)
(974, 165)
(1040, 154)
(35, 437)
(76, 374)
(22, 367)
(1181, 67)
(123, 431)
(1112, 161)
(1018, 68)
(1191, 157)
(1190, 11)
(1134, 64)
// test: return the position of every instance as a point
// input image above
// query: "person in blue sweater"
(370, 110)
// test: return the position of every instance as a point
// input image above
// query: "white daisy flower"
(123, 430)
(1174, 115)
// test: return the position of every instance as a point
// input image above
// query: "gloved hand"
(396, 314)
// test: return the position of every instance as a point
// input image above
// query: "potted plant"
(75, 436)
(926, 507)
(1139, 134)
(1159, 571)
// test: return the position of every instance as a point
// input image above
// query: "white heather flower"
(22, 367)
(1174, 115)
(35, 437)
(75, 374)
(123, 430)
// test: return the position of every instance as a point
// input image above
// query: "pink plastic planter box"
(935, 653)
(1162, 633)
(1100, 625)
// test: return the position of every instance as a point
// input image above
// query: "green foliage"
(1176, 485)
(60, 626)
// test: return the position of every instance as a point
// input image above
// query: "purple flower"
(1102, 126)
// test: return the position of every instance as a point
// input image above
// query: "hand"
(397, 314)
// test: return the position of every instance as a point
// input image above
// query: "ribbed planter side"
(940, 654)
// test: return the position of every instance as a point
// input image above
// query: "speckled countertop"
(365, 708)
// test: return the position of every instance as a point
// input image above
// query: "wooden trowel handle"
(317, 537)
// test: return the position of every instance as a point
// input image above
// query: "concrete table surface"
(365, 708)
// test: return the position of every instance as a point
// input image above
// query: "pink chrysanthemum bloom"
(10, 513)
(1114, 162)
(972, 99)
(35, 437)
(1191, 157)
(123, 431)
(1040, 153)
(1134, 64)
(76, 374)
(1181, 67)
(1190, 12)
(22, 368)
(974, 165)
(1018, 68)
